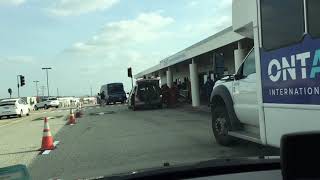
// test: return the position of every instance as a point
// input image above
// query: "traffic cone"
(47, 139)
(72, 119)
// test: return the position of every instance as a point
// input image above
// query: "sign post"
(130, 75)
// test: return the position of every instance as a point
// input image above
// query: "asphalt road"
(20, 138)
(114, 139)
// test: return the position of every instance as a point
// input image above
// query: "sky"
(88, 43)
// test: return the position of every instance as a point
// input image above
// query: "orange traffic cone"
(47, 139)
(72, 119)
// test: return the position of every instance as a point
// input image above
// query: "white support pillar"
(169, 77)
(194, 84)
(239, 55)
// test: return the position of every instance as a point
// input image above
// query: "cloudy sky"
(92, 42)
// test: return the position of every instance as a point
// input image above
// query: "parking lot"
(114, 139)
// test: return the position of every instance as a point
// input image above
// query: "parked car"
(14, 107)
(146, 94)
(113, 93)
(47, 103)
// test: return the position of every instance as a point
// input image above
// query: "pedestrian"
(102, 97)
(208, 88)
(188, 84)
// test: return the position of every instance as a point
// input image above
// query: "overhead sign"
(291, 75)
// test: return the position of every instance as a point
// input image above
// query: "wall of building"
(163, 77)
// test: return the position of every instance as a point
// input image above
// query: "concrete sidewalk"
(201, 108)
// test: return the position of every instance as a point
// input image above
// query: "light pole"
(37, 87)
(57, 92)
(42, 90)
(18, 84)
(47, 68)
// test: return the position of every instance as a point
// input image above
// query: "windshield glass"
(7, 103)
(112, 86)
(313, 23)
(115, 88)
(279, 18)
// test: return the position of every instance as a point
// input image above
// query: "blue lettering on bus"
(291, 75)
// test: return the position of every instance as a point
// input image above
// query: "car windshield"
(103, 87)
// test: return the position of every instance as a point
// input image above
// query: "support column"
(169, 77)
(194, 84)
(239, 55)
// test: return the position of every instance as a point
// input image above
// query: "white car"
(14, 107)
(47, 103)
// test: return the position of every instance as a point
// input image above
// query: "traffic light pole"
(132, 82)
(48, 83)
(18, 85)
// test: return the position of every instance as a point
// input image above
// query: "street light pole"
(47, 68)
(18, 84)
(37, 87)
(42, 90)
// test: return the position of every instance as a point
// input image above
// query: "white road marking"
(46, 152)
(56, 143)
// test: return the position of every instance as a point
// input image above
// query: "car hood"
(199, 167)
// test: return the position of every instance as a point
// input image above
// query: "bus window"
(313, 17)
(282, 22)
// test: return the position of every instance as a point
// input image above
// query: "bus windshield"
(313, 18)
(281, 20)
(115, 88)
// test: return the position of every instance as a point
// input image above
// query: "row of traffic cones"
(72, 118)
(47, 138)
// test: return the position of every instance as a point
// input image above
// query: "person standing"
(103, 96)
(208, 88)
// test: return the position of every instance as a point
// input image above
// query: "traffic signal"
(22, 81)
(130, 72)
